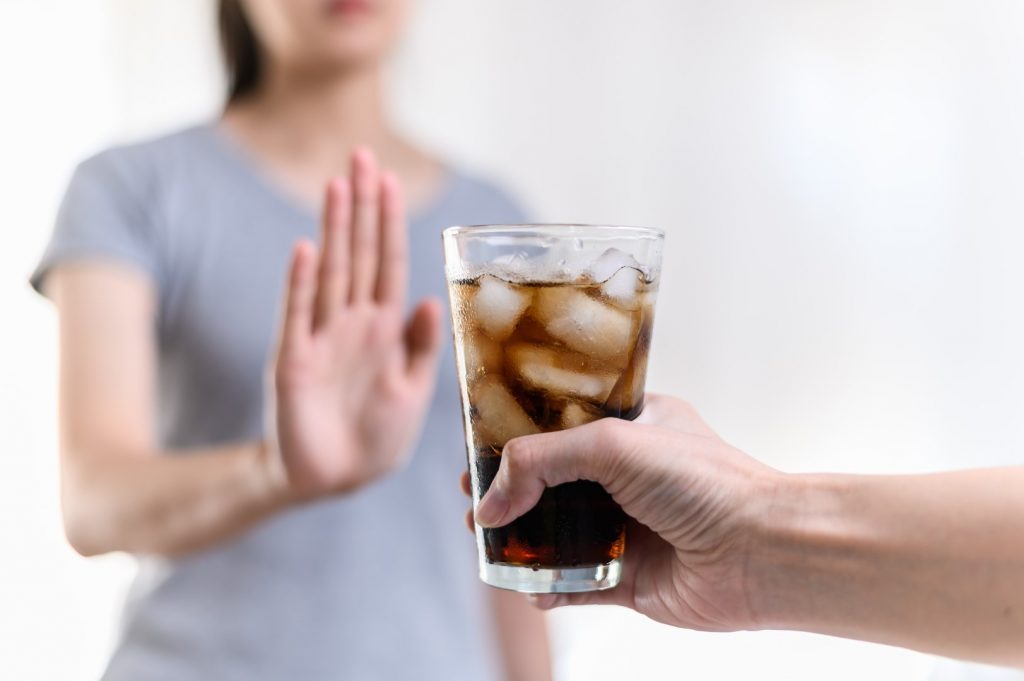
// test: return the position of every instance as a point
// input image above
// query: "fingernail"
(492, 508)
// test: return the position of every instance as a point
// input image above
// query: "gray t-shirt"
(378, 584)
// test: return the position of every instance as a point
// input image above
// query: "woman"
(291, 546)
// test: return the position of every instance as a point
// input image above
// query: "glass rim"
(554, 229)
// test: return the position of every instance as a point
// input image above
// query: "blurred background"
(842, 184)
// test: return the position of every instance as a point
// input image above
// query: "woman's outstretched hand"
(352, 377)
(690, 496)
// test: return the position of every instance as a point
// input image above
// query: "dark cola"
(536, 357)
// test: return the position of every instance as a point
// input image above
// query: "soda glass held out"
(552, 327)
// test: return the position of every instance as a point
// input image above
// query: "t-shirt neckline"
(239, 157)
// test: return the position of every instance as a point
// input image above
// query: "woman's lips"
(349, 7)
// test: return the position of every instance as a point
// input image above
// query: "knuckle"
(518, 455)
(616, 437)
(611, 431)
(613, 451)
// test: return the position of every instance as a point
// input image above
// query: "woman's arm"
(352, 383)
(522, 632)
(119, 492)
(722, 542)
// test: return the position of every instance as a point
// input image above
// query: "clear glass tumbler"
(552, 327)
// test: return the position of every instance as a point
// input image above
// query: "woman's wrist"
(273, 483)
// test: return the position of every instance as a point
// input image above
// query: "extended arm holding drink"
(722, 542)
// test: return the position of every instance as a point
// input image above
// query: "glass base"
(551, 580)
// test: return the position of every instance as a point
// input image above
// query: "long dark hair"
(241, 49)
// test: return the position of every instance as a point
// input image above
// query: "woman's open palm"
(353, 378)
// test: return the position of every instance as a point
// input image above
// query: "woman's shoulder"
(115, 202)
(139, 162)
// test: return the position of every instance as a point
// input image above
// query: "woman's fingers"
(365, 225)
(299, 308)
(393, 273)
(464, 486)
(423, 342)
(335, 261)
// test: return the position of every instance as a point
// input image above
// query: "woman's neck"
(303, 127)
(314, 117)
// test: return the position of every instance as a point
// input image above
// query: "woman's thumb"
(423, 340)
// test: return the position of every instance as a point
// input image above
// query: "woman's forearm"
(167, 504)
(931, 562)
(119, 493)
(522, 633)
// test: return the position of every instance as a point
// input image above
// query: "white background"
(842, 183)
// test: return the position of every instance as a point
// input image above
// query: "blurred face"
(326, 34)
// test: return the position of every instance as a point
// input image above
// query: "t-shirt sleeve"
(103, 217)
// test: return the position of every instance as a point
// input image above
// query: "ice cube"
(583, 323)
(498, 417)
(544, 369)
(511, 262)
(627, 396)
(620, 276)
(623, 288)
(606, 265)
(497, 306)
(628, 393)
(482, 356)
(576, 414)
